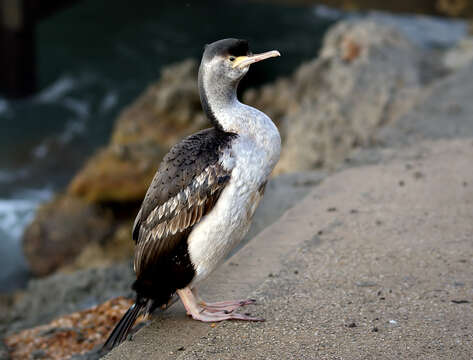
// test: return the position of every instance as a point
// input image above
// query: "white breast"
(253, 155)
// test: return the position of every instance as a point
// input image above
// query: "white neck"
(219, 101)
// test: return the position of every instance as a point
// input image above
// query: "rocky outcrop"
(366, 76)
(73, 334)
(166, 112)
(443, 112)
(60, 294)
(61, 230)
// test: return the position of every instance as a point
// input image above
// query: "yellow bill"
(243, 61)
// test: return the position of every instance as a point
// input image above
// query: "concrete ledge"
(375, 263)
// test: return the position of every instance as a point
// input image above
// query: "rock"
(448, 98)
(425, 32)
(116, 249)
(454, 8)
(460, 55)
(118, 173)
(60, 230)
(166, 112)
(166, 109)
(366, 76)
(76, 333)
(54, 296)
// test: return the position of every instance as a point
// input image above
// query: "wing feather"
(167, 223)
(187, 185)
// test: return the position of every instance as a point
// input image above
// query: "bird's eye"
(231, 58)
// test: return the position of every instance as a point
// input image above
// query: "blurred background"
(93, 94)
(92, 59)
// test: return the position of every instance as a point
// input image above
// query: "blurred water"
(96, 57)
(15, 213)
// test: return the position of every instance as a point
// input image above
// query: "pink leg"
(213, 314)
(225, 306)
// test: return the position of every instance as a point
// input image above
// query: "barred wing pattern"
(167, 223)
(185, 188)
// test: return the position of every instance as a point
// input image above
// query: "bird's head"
(228, 60)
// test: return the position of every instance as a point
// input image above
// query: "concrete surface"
(376, 262)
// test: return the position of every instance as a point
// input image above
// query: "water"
(15, 212)
(95, 58)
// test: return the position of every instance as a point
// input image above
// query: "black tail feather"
(124, 326)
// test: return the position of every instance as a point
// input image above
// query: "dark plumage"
(169, 212)
(179, 168)
(235, 47)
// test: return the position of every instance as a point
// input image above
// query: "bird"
(202, 199)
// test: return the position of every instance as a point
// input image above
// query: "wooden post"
(17, 48)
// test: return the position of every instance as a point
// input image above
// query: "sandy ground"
(376, 262)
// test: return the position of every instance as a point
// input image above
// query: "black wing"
(185, 188)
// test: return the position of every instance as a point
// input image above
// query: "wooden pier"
(18, 19)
